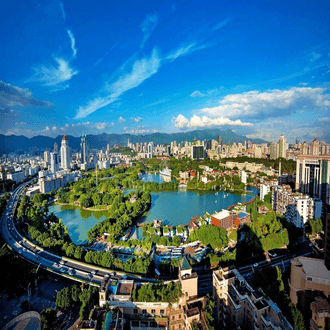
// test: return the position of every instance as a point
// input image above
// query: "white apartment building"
(16, 176)
(264, 190)
(296, 207)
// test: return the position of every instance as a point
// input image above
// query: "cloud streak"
(55, 74)
(221, 24)
(62, 10)
(141, 70)
(73, 43)
(147, 27)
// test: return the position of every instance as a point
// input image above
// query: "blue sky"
(261, 68)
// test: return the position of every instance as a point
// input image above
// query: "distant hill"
(12, 143)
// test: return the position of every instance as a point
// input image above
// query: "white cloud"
(140, 130)
(73, 43)
(11, 96)
(221, 24)
(315, 56)
(62, 10)
(47, 128)
(255, 103)
(196, 121)
(54, 75)
(54, 128)
(141, 70)
(181, 51)
(67, 125)
(136, 119)
(100, 126)
(121, 120)
(197, 94)
(147, 27)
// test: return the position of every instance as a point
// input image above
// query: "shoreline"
(83, 208)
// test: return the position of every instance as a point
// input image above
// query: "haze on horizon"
(260, 69)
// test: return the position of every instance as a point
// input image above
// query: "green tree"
(316, 226)
(63, 299)
(176, 241)
(48, 318)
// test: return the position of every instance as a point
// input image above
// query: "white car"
(256, 265)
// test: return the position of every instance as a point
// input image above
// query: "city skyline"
(261, 70)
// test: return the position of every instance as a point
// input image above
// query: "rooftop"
(314, 267)
(320, 305)
(222, 214)
(124, 288)
(185, 264)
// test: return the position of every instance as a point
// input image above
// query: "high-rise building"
(65, 154)
(197, 152)
(282, 147)
(54, 162)
(56, 147)
(46, 156)
(274, 150)
(219, 139)
(313, 176)
(83, 150)
(150, 149)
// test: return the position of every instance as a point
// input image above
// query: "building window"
(310, 279)
(161, 311)
(221, 294)
(180, 316)
(173, 318)
(144, 311)
(186, 293)
(153, 311)
(135, 311)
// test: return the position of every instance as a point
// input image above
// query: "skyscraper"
(150, 149)
(282, 146)
(219, 139)
(56, 147)
(54, 163)
(274, 150)
(65, 154)
(313, 176)
(46, 156)
(84, 150)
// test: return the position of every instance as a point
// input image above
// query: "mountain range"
(11, 143)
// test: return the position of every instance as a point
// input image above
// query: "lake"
(171, 207)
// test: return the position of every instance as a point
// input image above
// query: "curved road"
(51, 262)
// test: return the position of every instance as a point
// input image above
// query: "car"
(93, 272)
(274, 255)
(56, 264)
(310, 244)
(20, 252)
(255, 265)
(62, 262)
(24, 249)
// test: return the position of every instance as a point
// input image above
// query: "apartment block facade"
(239, 306)
(296, 207)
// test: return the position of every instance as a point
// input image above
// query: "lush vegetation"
(270, 280)
(266, 232)
(158, 292)
(124, 151)
(3, 202)
(210, 235)
(48, 318)
(50, 232)
(122, 213)
(209, 312)
(316, 226)
(86, 297)
(288, 166)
